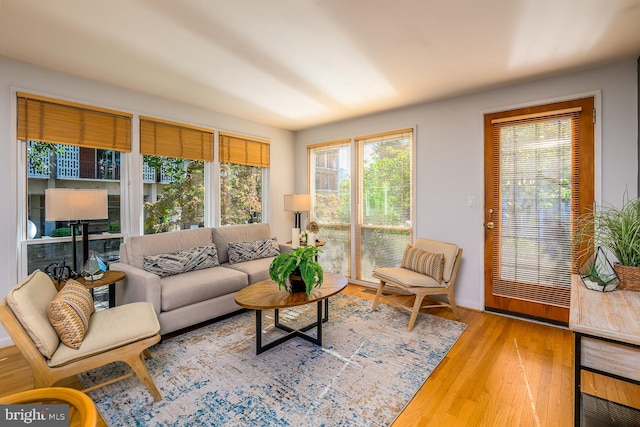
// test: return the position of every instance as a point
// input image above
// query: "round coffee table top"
(265, 295)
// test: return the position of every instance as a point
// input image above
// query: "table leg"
(321, 317)
(112, 295)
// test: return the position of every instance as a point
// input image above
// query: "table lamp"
(77, 207)
(297, 203)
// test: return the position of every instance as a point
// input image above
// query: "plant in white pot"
(618, 231)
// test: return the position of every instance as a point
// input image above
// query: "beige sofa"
(189, 298)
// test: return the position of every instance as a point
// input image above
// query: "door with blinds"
(539, 164)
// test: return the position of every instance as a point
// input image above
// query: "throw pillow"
(423, 262)
(247, 251)
(69, 313)
(182, 261)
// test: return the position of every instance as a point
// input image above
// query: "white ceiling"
(298, 63)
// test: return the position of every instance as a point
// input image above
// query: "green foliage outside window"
(240, 194)
(181, 204)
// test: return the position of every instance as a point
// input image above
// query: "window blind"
(243, 151)
(537, 194)
(60, 122)
(169, 139)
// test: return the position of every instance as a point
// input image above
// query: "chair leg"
(414, 312)
(376, 301)
(147, 354)
(452, 304)
(138, 366)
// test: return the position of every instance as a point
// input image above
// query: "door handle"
(490, 224)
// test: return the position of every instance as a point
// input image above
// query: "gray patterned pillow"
(247, 251)
(182, 261)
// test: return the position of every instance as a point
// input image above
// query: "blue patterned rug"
(368, 370)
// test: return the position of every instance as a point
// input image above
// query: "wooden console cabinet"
(606, 328)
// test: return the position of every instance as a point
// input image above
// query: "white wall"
(450, 150)
(23, 77)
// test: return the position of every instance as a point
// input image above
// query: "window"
(173, 174)
(69, 145)
(243, 166)
(384, 227)
(331, 193)
(380, 219)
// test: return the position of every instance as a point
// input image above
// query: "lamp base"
(296, 216)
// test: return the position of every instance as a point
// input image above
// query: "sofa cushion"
(423, 262)
(69, 313)
(28, 301)
(181, 261)
(153, 244)
(237, 233)
(112, 328)
(200, 285)
(247, 251)
(257, 270)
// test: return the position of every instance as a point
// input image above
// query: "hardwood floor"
(501, 372)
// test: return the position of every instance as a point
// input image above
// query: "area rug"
(367, 371)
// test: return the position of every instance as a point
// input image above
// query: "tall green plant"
(616, 229)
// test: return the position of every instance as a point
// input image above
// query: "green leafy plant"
(302, 259)
(615, 229)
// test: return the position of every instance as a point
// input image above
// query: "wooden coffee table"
(265, 295)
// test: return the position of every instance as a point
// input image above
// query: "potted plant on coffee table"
(297, 271)
(618, 231)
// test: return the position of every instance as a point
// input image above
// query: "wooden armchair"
(421, 276)
(82, 410)
(122, 333)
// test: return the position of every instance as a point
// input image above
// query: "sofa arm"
(139, 285)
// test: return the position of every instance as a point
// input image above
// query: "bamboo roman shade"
(60, 122)
(168, 139)
(243, 151)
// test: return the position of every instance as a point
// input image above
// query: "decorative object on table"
(361, 358)
(313, 227)
(616, 230)
(597, 273)
(77, 207)
(297, 271)
(60, 272)
(94, 268)
(297, 203)
(303, 238)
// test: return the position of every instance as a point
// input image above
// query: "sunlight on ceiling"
(548, 30)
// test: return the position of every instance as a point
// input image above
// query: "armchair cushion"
(28, 301)
(405, 277)
(112, 328)
(423, 262)
(69, 313)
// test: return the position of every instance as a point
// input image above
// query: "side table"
(110, 278)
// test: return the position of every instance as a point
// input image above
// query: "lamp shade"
(69, 204)
(297, 202)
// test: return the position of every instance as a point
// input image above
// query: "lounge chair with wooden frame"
(122, 333)
(82, 410)
(398, 282)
